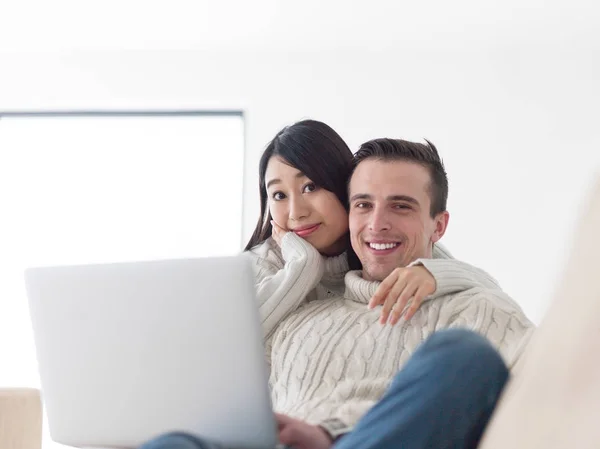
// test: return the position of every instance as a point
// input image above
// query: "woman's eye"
(309, 188)
(278, 196)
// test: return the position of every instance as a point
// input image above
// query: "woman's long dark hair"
(315, 149)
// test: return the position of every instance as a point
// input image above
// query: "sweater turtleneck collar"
(359, 289)
(335, 266)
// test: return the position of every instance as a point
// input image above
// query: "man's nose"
(379, 220)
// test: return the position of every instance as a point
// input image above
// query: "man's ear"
(441, 224)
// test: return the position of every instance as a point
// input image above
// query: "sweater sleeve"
(497, 317)
(335, 428)
(453, 276)
(441, 252)
(281, 290)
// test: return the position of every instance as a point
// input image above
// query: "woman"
(302, 185)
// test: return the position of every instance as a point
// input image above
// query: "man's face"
(390, 220)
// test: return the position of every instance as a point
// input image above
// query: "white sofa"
(20, 419)
(553, 401)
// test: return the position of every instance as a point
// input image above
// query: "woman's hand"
(398, 288)
(278, 232)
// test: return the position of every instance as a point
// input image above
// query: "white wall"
(514, 117)
(516, 126)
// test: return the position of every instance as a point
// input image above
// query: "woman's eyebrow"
(273, 181)
(278, 181)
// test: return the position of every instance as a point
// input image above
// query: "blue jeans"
(442, 399)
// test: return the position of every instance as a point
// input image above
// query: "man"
(334, 367)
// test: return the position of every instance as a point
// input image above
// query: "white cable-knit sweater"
(330, 358)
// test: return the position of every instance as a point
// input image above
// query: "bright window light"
(109, 188)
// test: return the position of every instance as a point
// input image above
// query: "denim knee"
(456, 336)
(464, 347)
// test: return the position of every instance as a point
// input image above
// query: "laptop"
(129, 351)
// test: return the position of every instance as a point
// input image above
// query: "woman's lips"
(305, 231)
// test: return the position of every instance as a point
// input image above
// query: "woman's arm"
(282, 288)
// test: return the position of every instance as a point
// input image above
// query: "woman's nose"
(299, 208)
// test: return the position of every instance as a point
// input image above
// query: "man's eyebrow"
(361, 196)
(278, 181)
(408, 199)
(368, 197)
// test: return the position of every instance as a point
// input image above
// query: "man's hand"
(398, 288)
(300, 435)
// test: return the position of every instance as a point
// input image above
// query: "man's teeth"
(382, 246)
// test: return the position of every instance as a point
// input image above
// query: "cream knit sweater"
(330, 358)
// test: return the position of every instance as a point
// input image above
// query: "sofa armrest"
(20, 418)
(553, 400)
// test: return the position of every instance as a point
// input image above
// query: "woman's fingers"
(416, 302)
(382, 291)
(399, 291)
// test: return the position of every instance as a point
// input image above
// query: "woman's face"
(298, 205)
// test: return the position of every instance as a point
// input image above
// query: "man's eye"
(278, 196)
(311, 187)
(363, 205)
(402, 206)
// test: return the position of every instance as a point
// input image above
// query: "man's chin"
(378, 273)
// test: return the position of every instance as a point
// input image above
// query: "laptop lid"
(129, 351)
